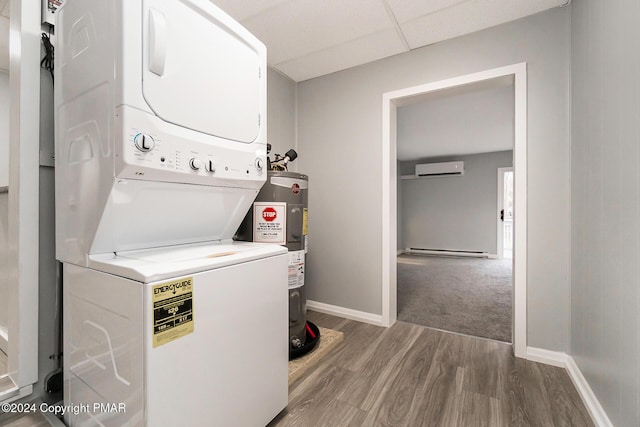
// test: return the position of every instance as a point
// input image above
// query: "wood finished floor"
(409, 375)
(24, 420)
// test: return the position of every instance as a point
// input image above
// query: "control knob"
(210, 166)
(195, 164)
(259, 164)
(144, 142)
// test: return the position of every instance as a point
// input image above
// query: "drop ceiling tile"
(299, 27)
(356, 52)
(470, 16)
(407, 10)
(243, 9)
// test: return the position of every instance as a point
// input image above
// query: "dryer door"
(202, 70)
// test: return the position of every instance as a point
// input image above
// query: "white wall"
(605, 309)
(281, 114)
(454, 212)
(340, 142)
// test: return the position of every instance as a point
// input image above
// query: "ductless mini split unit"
(440, 169)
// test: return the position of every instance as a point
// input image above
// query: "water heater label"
(172, 310)
(270, 222)
(296, 268)
(305, 221)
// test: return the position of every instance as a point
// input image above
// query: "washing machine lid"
(151, 265)
(202, 70)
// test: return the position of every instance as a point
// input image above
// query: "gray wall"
(399, 212)
(340, 142)
(4, 197)
(4, 252)
(454, 212)
(605, 306)
(4, 128)
(479, 121)
(281, 114)
(49, 290)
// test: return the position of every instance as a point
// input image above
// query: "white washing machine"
(198, 337)
(160, 152)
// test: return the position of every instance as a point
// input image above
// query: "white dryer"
(160, 151)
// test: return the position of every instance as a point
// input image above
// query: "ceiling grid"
(308, 38)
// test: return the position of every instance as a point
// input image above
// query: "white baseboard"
(548, 357)
(597, 412)
(563, 360)
(347, 313)
(4, 341)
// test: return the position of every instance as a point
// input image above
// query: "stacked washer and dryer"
(160, 152)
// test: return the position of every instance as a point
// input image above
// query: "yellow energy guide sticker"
(305, 220)
(172, 310)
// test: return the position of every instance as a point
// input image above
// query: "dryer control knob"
(210, 166)
(259, 164)
(195, 164)
(144, 142)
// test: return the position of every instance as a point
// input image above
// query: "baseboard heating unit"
(446, 252)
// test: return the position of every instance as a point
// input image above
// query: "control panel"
(176, 154)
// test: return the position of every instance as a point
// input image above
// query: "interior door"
(198, 72)
(505, 212)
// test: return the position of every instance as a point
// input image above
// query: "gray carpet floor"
(470, 296)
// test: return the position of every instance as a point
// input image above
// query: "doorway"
(391, 101)
(451, 275)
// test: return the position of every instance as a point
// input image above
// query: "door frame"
(390, 102)
(23, 241)
(501, 172)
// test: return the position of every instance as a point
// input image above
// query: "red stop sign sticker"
(295, 188)
(269, 214)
